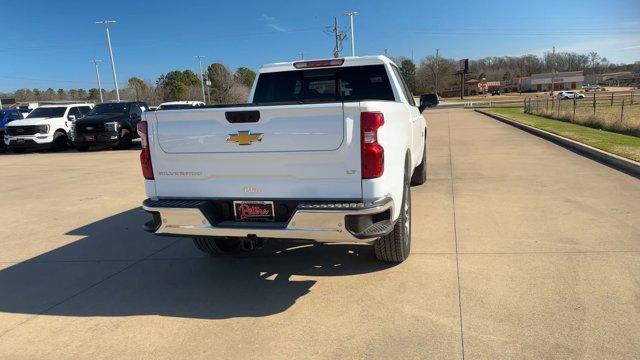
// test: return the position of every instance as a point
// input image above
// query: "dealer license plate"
(253, 210)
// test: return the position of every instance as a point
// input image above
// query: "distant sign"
(8, 101)
(463, 66)
(489, 84)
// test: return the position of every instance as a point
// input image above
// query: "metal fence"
(618, 112)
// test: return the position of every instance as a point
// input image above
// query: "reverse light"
(372, 153)
(317, 63)
(145, 154)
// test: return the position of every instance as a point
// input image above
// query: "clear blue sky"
(50, 43)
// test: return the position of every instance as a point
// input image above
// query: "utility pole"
(436, 72)
(351, 15)
(339, 36)
(301, 53)
(200, 57)
(553, 71)
(386, 52)
(113, 65)
(97, 62)
(336, 49)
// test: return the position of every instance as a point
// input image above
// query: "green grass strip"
(623, 145)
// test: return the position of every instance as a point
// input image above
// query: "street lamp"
(200, 57)
(351, 15)
(97, 62)
(113, 65)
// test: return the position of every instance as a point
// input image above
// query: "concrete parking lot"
(521, 249)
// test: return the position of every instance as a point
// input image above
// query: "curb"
(617, 162)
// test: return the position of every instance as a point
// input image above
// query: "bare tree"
(432, 67)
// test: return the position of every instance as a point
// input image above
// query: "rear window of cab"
(352, 83)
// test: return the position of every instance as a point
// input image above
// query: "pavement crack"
(455, 237)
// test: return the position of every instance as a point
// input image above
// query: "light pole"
(97, 62)
(200, 57)
(553, 72)
(436, 72)
(113, 65)
(351, 14)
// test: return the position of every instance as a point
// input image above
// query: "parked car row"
(81, 125)
(54, 126)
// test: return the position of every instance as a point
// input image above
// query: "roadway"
(521, 249)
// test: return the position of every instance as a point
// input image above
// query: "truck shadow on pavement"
(116, 269)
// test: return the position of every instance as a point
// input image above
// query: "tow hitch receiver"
(252, 242)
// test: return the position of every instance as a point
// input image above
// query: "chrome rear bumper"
(322, 222)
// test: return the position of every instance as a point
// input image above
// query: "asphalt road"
(521, 249)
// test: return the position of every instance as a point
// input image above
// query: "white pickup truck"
(325, 150)
(46, 127)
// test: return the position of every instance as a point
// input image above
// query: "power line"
(153, 43)
(43, 80)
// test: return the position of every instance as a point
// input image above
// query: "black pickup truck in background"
(108, 125)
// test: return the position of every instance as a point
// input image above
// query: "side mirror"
(421, 108)
(71, 117)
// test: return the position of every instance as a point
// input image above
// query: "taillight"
(372, 153)
(145, 154)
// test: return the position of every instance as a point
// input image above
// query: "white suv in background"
(564, 95)
(174, 105)
(46, 127)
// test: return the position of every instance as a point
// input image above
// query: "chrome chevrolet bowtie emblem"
(244, 137)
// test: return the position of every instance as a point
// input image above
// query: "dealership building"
(566, 80)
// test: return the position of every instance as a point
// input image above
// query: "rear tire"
(82, 148)
(419, 176)
(216, 245)
(395, 246)
(125, 139)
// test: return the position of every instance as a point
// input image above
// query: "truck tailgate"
(301, 151)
